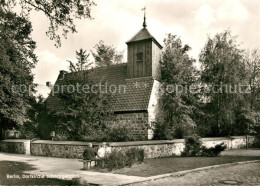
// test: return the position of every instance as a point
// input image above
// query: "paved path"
(244, 174)
(247, 174)
(67, 169)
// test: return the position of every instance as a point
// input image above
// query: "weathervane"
(144, 24)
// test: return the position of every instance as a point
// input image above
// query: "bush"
(256, 143)
(60, 136)
(119, 133)
(97, 135)
(134, 155)
(159, 132)
(119, 158)
(192, 146)
(213, 151)
(115, 133)
(165, 131)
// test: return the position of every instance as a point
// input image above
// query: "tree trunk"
(1, 129)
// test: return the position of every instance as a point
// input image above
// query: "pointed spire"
(144, 24)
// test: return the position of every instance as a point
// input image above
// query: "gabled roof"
(137, 95)
(134, 94)
(143, 34)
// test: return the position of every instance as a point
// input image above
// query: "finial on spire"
(144, 24)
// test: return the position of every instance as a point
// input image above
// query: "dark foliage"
(179, 106)
(120, 158)
(61, 14)
(119, 133)
(159, 131)
(192, 146)
(17, 59)
(40, 123)
(105, 55)
(83, 115)
(223, 66)
(213, 151)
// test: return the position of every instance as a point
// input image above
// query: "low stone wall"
(61, 149)
(232, 142)
(152, 149)
(164, 148)
(18, 146)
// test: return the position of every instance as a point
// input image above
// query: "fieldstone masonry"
(137, 122)
(15, 146)
(152, 149)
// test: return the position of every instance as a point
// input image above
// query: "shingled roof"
(143, 34)
(134, 95)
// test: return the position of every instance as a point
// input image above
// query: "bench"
(88, 164)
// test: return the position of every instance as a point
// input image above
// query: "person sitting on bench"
(89, 157)
(101, 151)
(90, 153)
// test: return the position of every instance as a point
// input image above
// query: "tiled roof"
(143, 34)
(134, 94)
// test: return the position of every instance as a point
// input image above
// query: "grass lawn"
(152, 167)
(157, 166)
(17, 168)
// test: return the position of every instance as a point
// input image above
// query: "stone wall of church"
(136, 122)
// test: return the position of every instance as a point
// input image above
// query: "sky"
(116, 21)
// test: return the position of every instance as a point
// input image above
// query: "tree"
(17, 59)
(61, 14)
(252, 65)
(222, 71)
(105, 55)
(82, 63)
(178, 74)
(17, 50)
(39, 123)
(252, 114)
(84, 112)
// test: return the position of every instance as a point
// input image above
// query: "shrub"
(119, 133)
(159, 131)
(192, 146)
(120, 158)
(97, 135)
(134, 155)
(213, 151)
(117, 159)
(60, 136)
(140, 155)
(256, 142)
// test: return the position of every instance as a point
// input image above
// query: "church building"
(137, 106)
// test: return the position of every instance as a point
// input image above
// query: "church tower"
(143, 55)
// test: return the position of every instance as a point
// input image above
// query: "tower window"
(139, 56)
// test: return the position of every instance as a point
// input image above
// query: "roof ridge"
(143, 29)
(142, 35)
(110, 66)
(100, 68)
